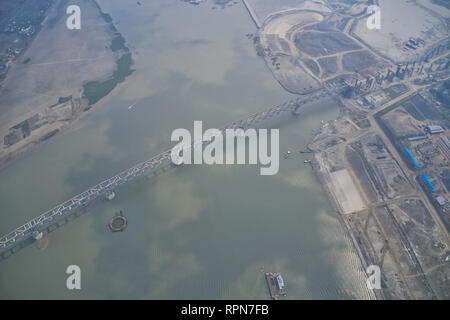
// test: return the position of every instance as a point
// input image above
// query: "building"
(441, 200)
(446, 142)
(435, 129)
(428, 182)
(417, 138)
(376, 99)
(411, 157)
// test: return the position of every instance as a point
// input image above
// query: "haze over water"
(197, 231)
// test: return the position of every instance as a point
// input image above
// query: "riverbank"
(383, 227)
(323, 180)
(304, 242)
(253, 14)
(94, 91)
(76, 85)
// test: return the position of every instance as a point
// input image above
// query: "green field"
(118, 43)
(96, 90)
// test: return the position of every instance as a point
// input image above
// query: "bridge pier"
(37, 235)
(110, 195)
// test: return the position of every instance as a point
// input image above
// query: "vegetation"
(123, 67)
(106, 17)
(258, 46)
(96, 90)
(64, 99)
(118, 43)
(118, 223)
(13, 137)
(442, 93)
(26, 131)
(20, 131)
(443, 3)
(61, 9)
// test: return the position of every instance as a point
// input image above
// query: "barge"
(276, 285)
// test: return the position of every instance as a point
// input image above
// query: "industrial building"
(411, 157)
(417, 138)
(428, 182)
(446, 142)
(441, 200)
(435, 129)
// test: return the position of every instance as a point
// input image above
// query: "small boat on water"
(131, 106)
(287, 154)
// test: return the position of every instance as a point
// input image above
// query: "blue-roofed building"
(411, 158)
(428, 182)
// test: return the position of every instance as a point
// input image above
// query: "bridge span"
(159, 162)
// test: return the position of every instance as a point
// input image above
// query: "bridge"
(159, 162)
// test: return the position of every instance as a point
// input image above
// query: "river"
(196, 232)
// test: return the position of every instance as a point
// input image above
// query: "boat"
(131, 106)
(276, 285)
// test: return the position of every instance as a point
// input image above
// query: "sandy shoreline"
(33, 146)
(82, 108)
(333, 202)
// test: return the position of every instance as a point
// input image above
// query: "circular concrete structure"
(118, 223)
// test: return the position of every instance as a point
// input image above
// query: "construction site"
(381, 204)
(384, 162)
